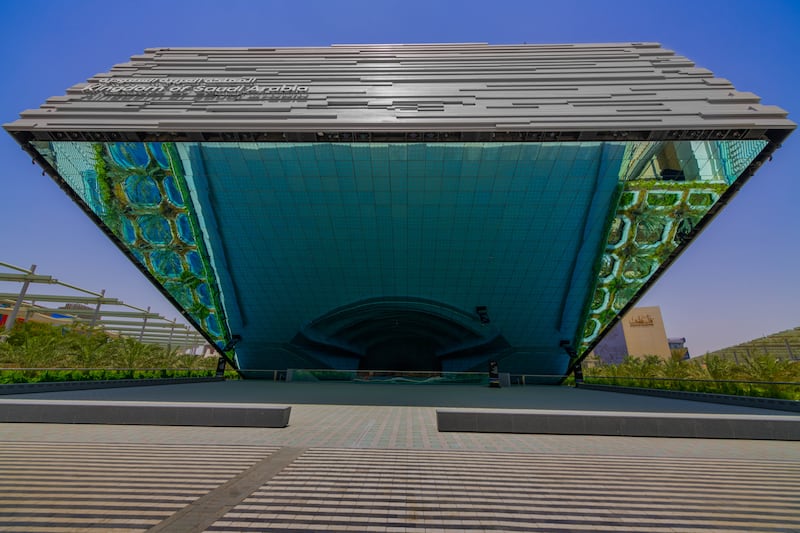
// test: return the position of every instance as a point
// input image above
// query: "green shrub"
(701, 199)
(626, 199)
(760, 376)
(662, 199)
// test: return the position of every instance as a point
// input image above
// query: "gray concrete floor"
(529, 397)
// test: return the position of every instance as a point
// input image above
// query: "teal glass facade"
(379, 255)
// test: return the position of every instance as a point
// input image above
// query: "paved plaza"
(353, 460)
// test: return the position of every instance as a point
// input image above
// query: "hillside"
(783, 345)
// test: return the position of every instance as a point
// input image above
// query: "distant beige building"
(640, 332)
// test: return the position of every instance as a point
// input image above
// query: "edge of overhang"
(775, 132)
(408, 46)
(423, 44)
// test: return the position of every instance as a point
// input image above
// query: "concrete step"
(145, 413)
(620, 423)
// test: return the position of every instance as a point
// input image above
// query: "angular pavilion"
(405, 207)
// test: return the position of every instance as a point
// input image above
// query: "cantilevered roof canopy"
(404, 206)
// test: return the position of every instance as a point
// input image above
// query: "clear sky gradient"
(739, 280)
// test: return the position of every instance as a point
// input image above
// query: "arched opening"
(407, 334)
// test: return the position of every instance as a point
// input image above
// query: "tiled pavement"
(417, 490)
(385, 468)
(46, 486)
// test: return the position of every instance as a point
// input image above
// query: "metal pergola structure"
(94, 310)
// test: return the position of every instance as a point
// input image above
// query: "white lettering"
(219, 87)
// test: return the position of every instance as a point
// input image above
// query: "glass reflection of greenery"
(141, 196)
(667, 189)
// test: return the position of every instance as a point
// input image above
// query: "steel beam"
(65, 299)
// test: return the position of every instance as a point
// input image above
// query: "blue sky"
(739, 280)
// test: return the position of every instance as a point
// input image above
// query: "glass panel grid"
(277, 234)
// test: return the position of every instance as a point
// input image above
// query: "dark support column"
(574, 364)
(221, 367)
(578, 371)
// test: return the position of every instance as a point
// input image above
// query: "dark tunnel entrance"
(403, 334)
(404, 353)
